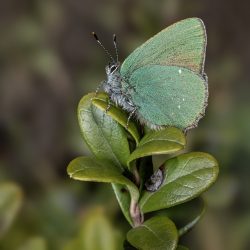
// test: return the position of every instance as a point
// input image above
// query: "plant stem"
(135, 213)
(136, 176)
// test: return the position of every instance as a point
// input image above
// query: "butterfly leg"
(130, 116)
(109, 105)
(99, 86)
(97, 89)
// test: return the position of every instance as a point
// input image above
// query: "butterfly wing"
(168, 95)
(181, 44)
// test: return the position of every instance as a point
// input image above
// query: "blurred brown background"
(48, 61)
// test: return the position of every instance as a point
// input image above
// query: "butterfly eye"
(112, 69)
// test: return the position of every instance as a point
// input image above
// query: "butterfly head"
(112, 68)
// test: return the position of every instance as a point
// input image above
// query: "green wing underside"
(169, 95)
(181, 44)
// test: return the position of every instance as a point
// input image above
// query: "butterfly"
(162, 83)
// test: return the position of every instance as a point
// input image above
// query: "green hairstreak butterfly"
(162, 82)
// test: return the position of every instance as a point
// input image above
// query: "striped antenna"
(115, 44)
(106, 51)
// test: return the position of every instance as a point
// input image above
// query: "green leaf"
(10, 203)
(166, 141)
(128, 246)
(123, 198)
(158, 233)
(90, 169)
(185, 177)
(106, 138)
(185, 215)
(119, 115)
(185, 229)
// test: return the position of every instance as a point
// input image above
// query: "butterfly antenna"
(115, 44)
(106, 51)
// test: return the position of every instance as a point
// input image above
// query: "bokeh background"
(48, 61)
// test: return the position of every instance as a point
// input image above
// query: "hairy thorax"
(116, 88)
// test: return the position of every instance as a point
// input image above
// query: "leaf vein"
(108, 143)
(149, 229)
(152, 140)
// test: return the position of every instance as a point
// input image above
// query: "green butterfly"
(162, 83)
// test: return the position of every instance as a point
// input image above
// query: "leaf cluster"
(123, 157)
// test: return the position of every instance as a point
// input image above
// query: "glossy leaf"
(10, 202)
(119, 115)
(128, 246)
(158, 233)
(185, 215)
(91, 169)
(105, 138)
(123, 198)
(166, 141)
(183, 230)
(185, 177)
